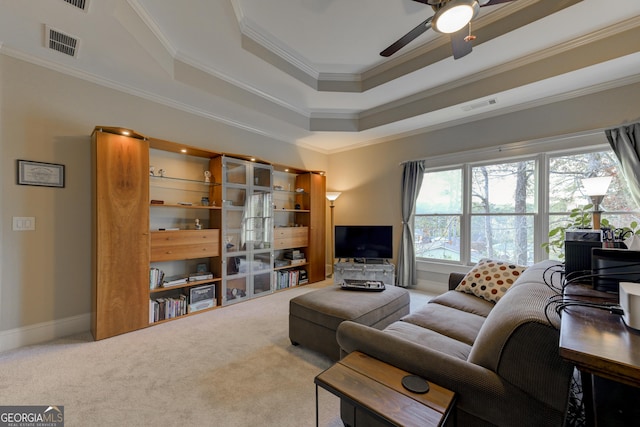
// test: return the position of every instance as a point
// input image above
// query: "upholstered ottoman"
(314, 317)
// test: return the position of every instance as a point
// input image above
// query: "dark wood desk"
(376, 387)
(599, 344)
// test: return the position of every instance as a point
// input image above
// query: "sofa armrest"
(455, 279)
(479, 391)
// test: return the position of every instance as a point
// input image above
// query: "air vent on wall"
(57, 40)
(80, 4)
(480, 104)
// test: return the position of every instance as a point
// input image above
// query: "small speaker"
(577, 257)
(630, 302)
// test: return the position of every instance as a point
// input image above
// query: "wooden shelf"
(292, 210)
(286, 267)
(192, 181)
(123, 260)
(185, 315)
(186, 285)
(167, 205)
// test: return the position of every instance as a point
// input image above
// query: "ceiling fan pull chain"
(470, 37)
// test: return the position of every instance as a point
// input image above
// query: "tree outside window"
(505, 201)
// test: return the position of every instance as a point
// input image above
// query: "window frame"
(540, 215)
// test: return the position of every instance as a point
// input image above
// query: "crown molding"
(260, 43)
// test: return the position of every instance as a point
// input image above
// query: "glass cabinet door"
(235, 171)
(247, 216)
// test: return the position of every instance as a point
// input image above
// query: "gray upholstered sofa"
(501, 359)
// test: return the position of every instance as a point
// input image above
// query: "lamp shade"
(596, 186)
(333, 195)
(454, 16)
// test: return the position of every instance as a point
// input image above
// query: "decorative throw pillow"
(490, 279)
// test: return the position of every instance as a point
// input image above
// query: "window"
(502, 211)
(438, 215)
(505, 210)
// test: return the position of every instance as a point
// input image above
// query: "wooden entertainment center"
(179, 230)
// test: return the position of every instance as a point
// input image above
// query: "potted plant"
(579, 218)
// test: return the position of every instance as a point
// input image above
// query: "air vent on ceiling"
(64, 43)
(80, 4)
(480, 104)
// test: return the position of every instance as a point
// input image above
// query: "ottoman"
(314, 317)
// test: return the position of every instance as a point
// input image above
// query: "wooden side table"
(376, 387)
(599, 344)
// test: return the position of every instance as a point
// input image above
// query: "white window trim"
(538, 150)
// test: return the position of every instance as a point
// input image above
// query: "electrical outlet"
(24, 223)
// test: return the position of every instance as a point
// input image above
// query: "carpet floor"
(232, 366)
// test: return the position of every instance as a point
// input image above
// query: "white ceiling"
(308, 71)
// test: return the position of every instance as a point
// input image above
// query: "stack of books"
(167, 308)
(156, 277)
(195, 277)
(288, 278)
(174, 281)
(295, 257)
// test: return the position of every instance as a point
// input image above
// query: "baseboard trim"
(431, 287)
(42, 332)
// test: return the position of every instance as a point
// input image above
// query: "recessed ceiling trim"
(261, 36)
(508, 18)
(596, 47)
(501, 21)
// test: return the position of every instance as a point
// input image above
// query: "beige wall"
(48, 116)
(370, 177)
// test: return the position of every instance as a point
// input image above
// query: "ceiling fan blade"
(492, 2)
(459, 45)
(407, 38)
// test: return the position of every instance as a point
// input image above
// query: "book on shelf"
(156, 277)
(293, 254)
(194, 277)
(167, 308)
(303, 279)
(289, 278)
(297, 261)
(174, 281)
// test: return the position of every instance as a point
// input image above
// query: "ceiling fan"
(451, 17)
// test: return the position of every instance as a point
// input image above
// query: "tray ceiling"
(309, 71)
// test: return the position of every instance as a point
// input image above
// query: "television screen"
(363, 241)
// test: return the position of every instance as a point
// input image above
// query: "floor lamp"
(596, 189)
(332, 196)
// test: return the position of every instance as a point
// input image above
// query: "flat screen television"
(363, 242)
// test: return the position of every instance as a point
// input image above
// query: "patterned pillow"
(490, 279)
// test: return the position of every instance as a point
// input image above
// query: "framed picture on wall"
(40, 174)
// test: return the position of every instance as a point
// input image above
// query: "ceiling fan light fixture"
(454, 16)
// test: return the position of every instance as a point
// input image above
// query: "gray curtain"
(626, 144)
(412, 175)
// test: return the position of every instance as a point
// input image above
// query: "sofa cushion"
(524, 303)
(490, 279)
(456, 324)
(429, 338)
(464, 302)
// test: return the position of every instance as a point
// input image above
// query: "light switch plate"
(24, 223)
